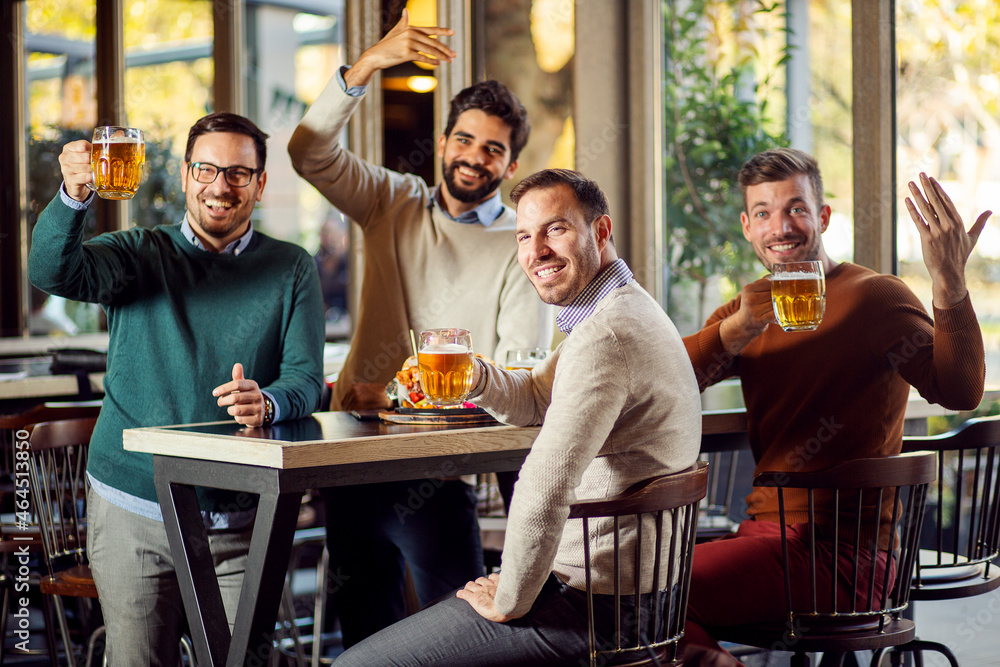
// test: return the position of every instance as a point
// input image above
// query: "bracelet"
(268, 411)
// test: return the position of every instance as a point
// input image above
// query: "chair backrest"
(962, 533)
(669, 504)
(718, 515)
(59, 487)
(864, 520)
(10, 425)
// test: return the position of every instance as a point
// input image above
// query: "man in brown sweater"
(816, 398)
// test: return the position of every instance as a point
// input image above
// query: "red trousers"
(739, 580)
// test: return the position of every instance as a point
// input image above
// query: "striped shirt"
(616, 275)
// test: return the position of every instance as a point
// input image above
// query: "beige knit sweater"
(618, 403)
(421, 270)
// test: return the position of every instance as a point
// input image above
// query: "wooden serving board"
(443, 416)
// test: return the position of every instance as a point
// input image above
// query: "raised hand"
(404, 43)
(243, 398)
(74, 162)
(944, 242)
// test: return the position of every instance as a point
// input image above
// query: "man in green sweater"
(208, 320)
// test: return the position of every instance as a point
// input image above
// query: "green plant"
(715, 120)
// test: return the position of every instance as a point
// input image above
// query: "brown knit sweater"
(816, 398)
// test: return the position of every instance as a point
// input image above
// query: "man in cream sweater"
(433, 257)
(618, 403)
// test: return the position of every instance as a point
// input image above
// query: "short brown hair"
(780, 164)
(588, 193)
(495, 99)
(223, 121)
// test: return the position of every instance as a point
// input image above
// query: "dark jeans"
(451, 634)
(372, 528)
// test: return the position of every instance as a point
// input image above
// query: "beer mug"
(525, 357)
(117, 155)
(798, 295)
(445, 360)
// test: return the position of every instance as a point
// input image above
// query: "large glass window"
(168, 81)
(62, 107)
(948, 99)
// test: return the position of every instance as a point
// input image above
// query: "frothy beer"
(117, 163)
(445, 373)
(799, 299)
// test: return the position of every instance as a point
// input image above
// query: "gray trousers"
(134, 572)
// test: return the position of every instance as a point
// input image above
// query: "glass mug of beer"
(117, 155)
(524, 358)
(445, 360)
(798, 295)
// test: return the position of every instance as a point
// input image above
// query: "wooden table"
(281, 462)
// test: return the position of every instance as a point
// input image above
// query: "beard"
(463, 194)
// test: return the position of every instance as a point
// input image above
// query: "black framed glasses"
(236, 176)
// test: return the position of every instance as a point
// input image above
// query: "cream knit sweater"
(421, 269)
(618, 403)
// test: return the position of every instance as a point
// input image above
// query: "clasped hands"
(242, 399)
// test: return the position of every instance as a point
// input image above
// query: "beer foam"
(118, 140)
(445, 348)
(796, 275)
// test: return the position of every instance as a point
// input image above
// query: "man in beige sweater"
(433, 257)
(618, 403)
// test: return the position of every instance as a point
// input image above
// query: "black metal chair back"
(668, 505)
(961, 539)
(864, 522)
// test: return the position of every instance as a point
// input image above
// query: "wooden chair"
(59, 493)
(671, 502)
(851, 494)
(962, 530)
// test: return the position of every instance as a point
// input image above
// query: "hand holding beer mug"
(445, 360)
(117, 155)
(798, 295)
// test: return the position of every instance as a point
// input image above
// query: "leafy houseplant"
(713, 124)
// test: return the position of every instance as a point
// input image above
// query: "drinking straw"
(413, 342)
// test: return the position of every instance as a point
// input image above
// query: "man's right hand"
(751, 319)
(74, 161)
(404, 43)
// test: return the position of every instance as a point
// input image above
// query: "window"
(948, 97)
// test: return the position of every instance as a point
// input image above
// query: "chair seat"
(77, 581)
(778, 638)
(966, 581)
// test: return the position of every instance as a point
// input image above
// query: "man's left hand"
(945, 244)
(480, 594)
(243, 398)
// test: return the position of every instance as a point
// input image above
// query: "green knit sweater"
(179, 318)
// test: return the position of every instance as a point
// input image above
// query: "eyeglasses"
(236, 176)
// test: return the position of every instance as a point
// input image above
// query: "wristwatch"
(268, 411)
